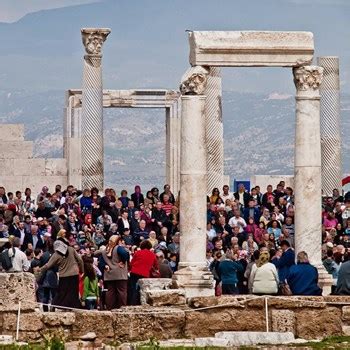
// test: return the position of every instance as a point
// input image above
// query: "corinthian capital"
(308, 78)
(93, 39)
(194, 81)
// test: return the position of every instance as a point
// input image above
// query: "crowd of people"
(90, 250)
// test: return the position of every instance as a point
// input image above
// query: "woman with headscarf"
(115, 276)
(264, 276)
(69, 265)
(137, 197)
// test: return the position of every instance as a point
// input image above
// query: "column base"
(325, 280)
(196, 281)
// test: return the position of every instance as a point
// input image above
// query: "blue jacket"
(284, 263)
(256, 215)
(228, 271)
(303, 279)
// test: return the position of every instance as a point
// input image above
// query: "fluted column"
(92, 108)
(214, 130)
(192, 274)
(307, 167)
(330, 126)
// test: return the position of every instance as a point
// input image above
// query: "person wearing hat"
(69, 264)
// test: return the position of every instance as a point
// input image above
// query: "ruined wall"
(306, 317)
(18, 168)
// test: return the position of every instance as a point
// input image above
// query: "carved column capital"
(93, 39)
(194, 81)
(308, 78)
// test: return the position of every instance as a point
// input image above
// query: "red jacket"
(142, 263)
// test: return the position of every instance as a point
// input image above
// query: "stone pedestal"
(330, 126)
(307, 177)
(193, 275)
(92, 108)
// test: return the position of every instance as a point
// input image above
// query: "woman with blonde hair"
(264, 276)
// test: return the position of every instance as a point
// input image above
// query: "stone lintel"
(251, 48)
(138, 98)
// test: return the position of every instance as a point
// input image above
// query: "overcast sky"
(13, 10)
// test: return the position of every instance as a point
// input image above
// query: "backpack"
(6, 260)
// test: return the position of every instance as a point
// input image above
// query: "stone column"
(92, 108)
(307, 168)
(193, 275)
(172, 147)
(214, 130)
(330, 126)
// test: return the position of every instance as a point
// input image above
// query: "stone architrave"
(307, 167)
(214, 130)
(251, 48)
(330, 125)
(192, 275)
(92, 108)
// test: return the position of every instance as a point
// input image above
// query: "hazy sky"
(13, 10)
(148, 46)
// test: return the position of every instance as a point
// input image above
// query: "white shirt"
(234, 222)
(227, 196)
(20, 262)
(126, 223)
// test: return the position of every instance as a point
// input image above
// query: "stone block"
(346, 313)
(318, 324)
(283, 321)
(29, 167)
(345, 330)
(7, 167)
(212, 341)
(100, 322)
(58, 318)
(142, 323)
(12, 132)
(29, 322)
(166, 297)
(37, 182)
(56, 167)
(229, 300)
(11, 183)
(208, 322)
(256, 338)
(251, 48)
(147, 284)
(16, 149)
(15, 287)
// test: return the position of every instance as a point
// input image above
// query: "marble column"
(307, 168)
(330, 126)
(193, 275)
(172, 147)
(92, 108)
(214, 132)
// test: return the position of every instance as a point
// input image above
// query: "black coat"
(246, 197)
(137, 199)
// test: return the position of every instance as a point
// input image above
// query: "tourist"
(227, 271)
(284, 261)
(303, 277)
(165, 270)
(91, 292)
(70, 264)
(264, 276)
(137, 197)
(144, 264)
(343, 282)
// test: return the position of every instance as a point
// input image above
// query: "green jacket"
(91, 288)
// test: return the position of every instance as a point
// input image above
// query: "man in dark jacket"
(242, 195)
(343, 283)
(303, 277)
(251, 211)
(285, 262)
